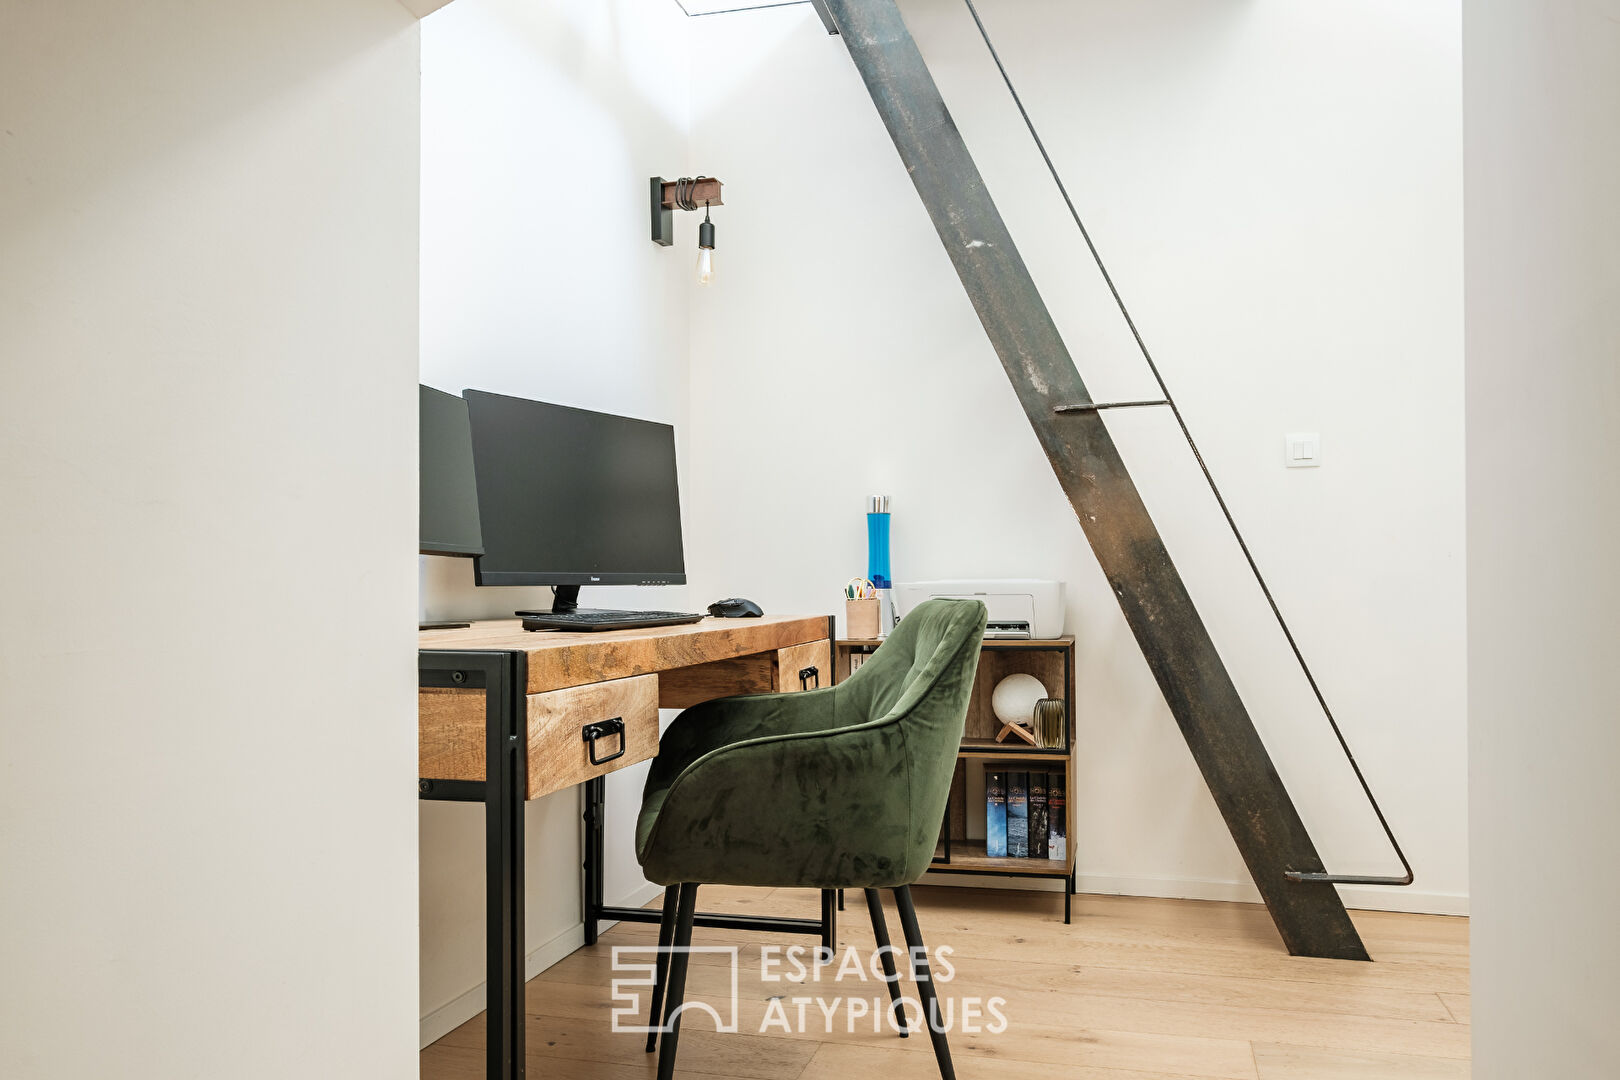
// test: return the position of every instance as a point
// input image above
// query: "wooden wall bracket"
(1196, 685)
(705, 192)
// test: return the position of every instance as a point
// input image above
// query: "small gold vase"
(1051, 728)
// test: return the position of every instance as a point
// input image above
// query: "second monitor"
(569, 497)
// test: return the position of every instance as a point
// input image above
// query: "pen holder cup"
(861, 618)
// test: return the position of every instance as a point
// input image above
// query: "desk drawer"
(559, 755)
(451, 732)
(803, 667)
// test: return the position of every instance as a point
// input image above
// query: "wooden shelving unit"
(1051, 661)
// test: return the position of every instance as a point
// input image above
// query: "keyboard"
(596, 619)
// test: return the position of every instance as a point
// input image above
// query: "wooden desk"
(506, 715)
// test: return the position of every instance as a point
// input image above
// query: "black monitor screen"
(449, 501)
(572, 497)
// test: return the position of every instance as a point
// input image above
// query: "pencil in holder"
(861, 618)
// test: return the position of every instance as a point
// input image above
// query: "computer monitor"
(449, 497)
(570, 497)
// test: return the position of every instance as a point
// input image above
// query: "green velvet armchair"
(828, 789)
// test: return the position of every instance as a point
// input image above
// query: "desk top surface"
(561, 658)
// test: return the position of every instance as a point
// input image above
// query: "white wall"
(542, 122)
(1275, 186)
(208, 251)
(1541, 93)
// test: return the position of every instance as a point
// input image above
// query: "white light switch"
(1303, 450)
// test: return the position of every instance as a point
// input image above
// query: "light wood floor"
(1135, 989)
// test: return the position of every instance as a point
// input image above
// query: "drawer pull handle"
(806, 674)
(599, 730)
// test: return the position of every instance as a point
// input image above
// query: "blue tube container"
(877, 541)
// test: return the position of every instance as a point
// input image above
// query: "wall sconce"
(687, 193)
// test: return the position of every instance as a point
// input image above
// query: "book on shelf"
(1018, 815)
(1037, 815)
(995, 814)
(1057, 813)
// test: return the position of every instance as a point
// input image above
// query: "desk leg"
(504, 788)
(595, 824)
(504, 678)
(829, 921)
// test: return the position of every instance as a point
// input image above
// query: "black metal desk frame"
(503, 675)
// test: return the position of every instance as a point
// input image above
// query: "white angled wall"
(542, 122)
(1275, 187)
(1542, 96)
(208, 301)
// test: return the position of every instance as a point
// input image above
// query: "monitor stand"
(566, 614)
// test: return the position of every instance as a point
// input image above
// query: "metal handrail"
(1293, 875)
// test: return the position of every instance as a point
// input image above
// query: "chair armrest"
(817, 809)
(713, 724)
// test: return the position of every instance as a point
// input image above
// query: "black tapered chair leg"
(880, 930)
(675, 992)
(925, 983)
(840, 899)
(666, 934)
(829, 924)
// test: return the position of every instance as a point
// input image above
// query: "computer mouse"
(735, 608)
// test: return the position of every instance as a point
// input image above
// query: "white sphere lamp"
(1013, 700)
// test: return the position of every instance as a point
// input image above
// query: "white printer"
(1020, 608)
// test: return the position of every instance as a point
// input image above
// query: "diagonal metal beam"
(1155, 601)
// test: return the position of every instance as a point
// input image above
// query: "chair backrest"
(923, 676)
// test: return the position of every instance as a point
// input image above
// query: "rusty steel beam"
(1241, 777)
